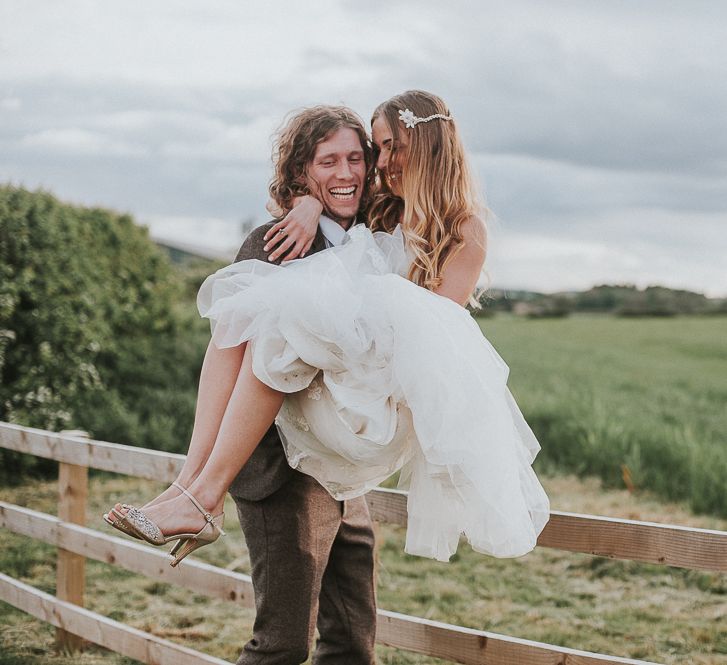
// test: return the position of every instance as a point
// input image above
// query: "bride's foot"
(173, 491)
(178, 516)
(182, 519)
(117, 516)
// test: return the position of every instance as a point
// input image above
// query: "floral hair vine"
(410, 120)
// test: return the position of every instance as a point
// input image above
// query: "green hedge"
(97, 330)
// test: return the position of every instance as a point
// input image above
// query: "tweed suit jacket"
(267, 469)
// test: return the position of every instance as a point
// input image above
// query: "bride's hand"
(294, 233)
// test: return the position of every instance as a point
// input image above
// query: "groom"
(312, 557)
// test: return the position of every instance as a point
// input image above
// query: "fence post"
(71, 568)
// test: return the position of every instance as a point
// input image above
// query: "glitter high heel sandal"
(147, 530)
(117, 519)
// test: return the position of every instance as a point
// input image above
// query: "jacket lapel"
(319, 242)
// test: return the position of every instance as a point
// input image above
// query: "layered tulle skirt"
(383, 375)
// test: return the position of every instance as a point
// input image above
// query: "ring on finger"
(282, 232)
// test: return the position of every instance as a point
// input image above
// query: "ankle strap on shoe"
(201, 508)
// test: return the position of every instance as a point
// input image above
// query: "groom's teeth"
(342, 193)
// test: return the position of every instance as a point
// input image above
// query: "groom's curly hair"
(294, 147)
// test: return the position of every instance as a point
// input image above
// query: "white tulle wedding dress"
(383, 375)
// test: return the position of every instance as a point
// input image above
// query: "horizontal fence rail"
(616, 538)
(647, 542)
(433, 638)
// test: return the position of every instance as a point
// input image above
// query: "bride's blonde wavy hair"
(439, 194)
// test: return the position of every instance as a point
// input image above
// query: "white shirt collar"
(333, 232)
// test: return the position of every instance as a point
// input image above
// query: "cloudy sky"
(598, 129)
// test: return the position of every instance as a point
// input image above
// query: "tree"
(91, 336)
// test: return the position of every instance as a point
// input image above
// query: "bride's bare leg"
(220, 370)
(251, 409)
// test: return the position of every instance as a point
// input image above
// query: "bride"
(370, 362)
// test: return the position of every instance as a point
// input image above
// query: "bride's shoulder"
(474, 237)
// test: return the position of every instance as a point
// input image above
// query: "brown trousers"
(312, 563)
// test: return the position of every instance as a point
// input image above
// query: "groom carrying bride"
(311, 556)
(369, 360)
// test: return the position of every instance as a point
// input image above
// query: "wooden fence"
(616, 538)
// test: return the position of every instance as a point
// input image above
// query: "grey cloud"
(136, 148)
(595, 118)
(519, 86)
(579, 116)
(522, 188)
(143, 186)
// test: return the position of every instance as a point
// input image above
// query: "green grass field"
(606, 396)
(642, 399)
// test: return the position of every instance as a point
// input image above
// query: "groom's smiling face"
(337, 173)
